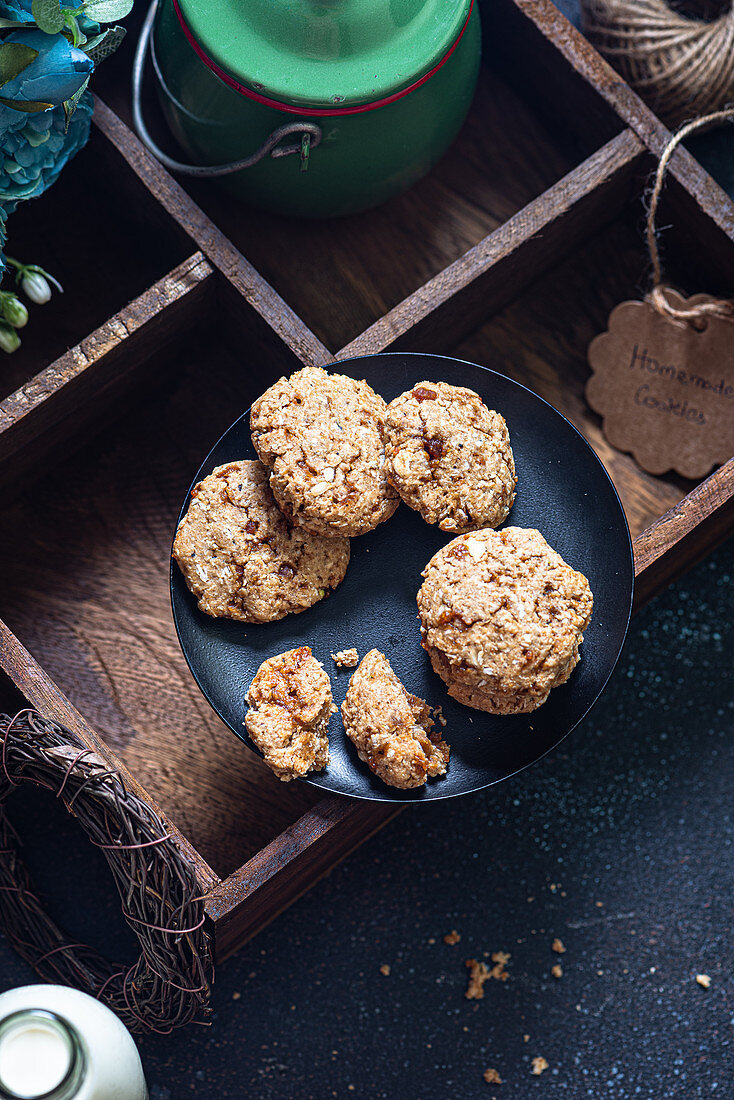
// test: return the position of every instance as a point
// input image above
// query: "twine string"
(682, 66)
(658, 296)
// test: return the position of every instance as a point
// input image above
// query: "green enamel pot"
(311, 107)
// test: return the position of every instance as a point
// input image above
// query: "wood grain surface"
(54, 406)
(369, 262)
(85, 558)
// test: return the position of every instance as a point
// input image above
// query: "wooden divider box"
(182, 305)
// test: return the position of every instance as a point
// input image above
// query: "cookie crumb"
(558, 947)
(500, 960)
(385, 969)
(432, 940)
(236, 996)
(526, 1038)
(704, 980)
(439, 715)
(452, 937)
(538, 1064)
(478, 975)
(492, 1077)
(557, 971)
(346, 658)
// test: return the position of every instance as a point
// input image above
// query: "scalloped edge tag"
(664, 389)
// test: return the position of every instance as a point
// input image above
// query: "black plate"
(563, 490)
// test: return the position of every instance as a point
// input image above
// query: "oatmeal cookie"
(502, 618)
(320, 435)
(239, 557)
(449, 456)
(391, 727)
(290, 706)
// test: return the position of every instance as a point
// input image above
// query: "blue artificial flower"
(34, 152)
(55, 75)
(16, 13)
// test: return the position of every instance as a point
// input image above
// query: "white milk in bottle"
(60, 1044)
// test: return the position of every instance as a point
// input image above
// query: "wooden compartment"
(511, 254)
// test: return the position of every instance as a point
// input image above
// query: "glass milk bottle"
(60, 1044)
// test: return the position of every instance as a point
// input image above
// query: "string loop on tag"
(657, 297)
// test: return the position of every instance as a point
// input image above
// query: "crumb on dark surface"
(478, 975)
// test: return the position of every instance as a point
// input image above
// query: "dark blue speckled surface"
(623, 841)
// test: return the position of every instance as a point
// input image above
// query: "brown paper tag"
(665, 389)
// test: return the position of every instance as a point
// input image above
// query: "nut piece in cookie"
(390, 727)
(320, 435)
(503, 617)
(239, 557)
(290, 706)
(449, 456)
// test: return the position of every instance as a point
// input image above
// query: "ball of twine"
(168, 985)
(680, 66)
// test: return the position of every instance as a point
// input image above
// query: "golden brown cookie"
(320, 435)
(239, 557)
(449, 456)
(502, 618)
(290, 706)
(390, 727)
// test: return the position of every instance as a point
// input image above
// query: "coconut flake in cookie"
(502, 618)
(290, 706)
(239, 557)
(449, 456)
(320, 435)
(390, 727)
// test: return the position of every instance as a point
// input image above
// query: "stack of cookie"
(502, 619)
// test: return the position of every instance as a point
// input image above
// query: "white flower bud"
(14, 312)
(36, 287)
(9, 339)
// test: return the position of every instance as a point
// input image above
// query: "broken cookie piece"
(346, 658)
(290, 706)
(390, 727)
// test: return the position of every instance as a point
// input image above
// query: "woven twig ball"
(168, 985)
(680, 65)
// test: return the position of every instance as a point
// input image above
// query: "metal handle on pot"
(308, 132)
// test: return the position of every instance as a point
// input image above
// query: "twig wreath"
(681, 66)
(168, 986)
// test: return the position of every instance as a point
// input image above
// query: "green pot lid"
(325, 53)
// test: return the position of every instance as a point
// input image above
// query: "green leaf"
(71, 30)
(14, 57)
(48, 15)
(29, 106)
(104, 44)
(70, 105)
(108, 11)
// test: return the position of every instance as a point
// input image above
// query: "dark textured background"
(620, 843)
